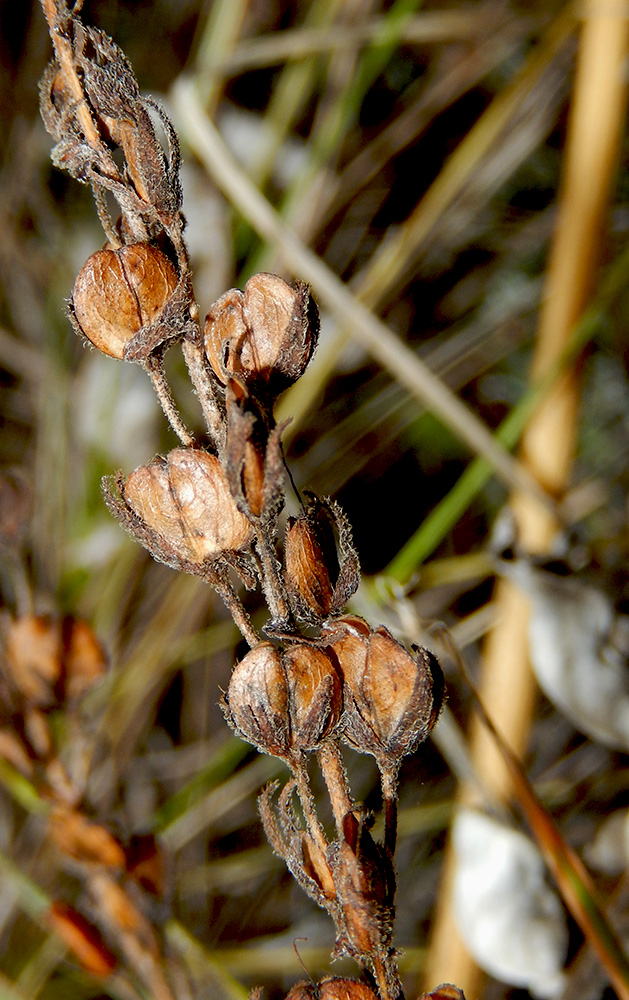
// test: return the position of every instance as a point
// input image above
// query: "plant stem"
(155, 367)
(333, 770)
(197, 369)
(388, 780)
(300, 773)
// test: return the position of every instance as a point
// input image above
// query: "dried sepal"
(392, 698)
(320, 577)
(120, 292)
(286, 701)
(365, 882)
(253, 459)
(263, 337)
(100, 105)
(300, 852)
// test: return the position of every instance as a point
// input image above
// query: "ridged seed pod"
(265, 335)
(185, 499)
(284, 700)
(118, 292)
(392, 698)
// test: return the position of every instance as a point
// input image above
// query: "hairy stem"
(388, 780)
(197, 369)
(333, 770)
(300, 772)
(155, 367)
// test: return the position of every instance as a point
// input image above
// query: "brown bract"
(264, 335)
(120, 291)
(392, 699)
(284, 700)
(185, 499)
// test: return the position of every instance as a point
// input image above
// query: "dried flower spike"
(284, 701)
(263, 336)
(392, 699)
(118, 292)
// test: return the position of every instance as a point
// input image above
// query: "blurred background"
(423, 154)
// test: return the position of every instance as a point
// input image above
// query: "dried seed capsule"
(393, 699)
(307, 573)
(315, 695)
(118, 292)
(321, 572)
(256, 702)
(284, 700)
(185, 499)
(264, 335)
(336, 988)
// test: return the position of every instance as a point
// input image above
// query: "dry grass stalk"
(507, 685)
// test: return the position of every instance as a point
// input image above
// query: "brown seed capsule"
(393, 699)
(307, 574)
(185, 499)
(264, 335)
(321, 573)
(256, 702)
(336, 988)
(315, 695)
(284, 701)
(118, 292)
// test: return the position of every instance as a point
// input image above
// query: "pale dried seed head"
(185, 499)
(117, 292)
(264, 335)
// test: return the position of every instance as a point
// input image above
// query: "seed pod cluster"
(320, 675)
